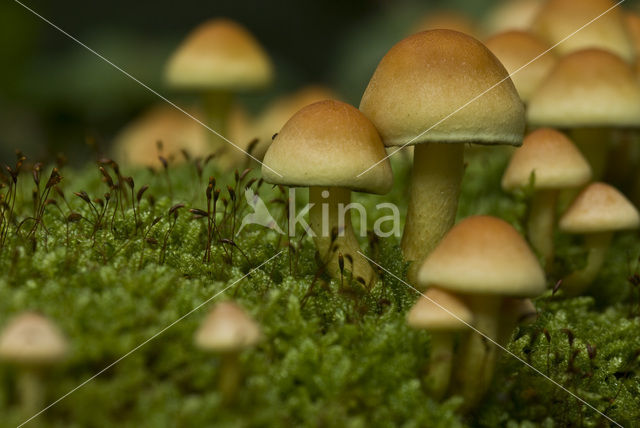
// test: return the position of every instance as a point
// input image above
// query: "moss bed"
(331, 355)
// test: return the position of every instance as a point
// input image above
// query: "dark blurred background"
(57, 96)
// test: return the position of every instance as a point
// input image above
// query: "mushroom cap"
(599, 208)
(552, 157)
(136, 143)
(227, 328)
(440, 74)
(587, 88)
(426, 314)
(525, 55)
(513, 15)
(483, 255)
(219, 54)
(32, 339)
(566, 21)
(329, 143)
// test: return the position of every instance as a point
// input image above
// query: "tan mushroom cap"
(599, 208)
(566, 21)
(513, 15)
(587, 88)
(552, 157)
(32, 339)
(219, 54)
(227, 328)
(441, 74)
(329, 143)
(483, 255)
(525, 57)
(426, 314)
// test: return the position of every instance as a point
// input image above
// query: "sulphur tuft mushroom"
(484, 260)
(227, 331)
(597, 213)
(324, 147)
(443, 315)
(32, 343)
(438, 90)
(555, 164)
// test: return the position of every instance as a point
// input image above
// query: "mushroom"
(512, 15)
(32, 343)
(443, 315)
(228, 330)
(438, 90)
(484, 260)
(325, 146)
(573, 25)
(219, 58)
(526, 58)
(590, 92)
(597, 212)
(555, 164)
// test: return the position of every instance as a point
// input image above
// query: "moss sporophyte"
(110, 257)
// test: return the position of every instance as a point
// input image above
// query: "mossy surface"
(332, 355)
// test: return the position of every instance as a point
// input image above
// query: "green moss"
(332, 355)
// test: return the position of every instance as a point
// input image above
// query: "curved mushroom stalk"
(541, 223)
(435, 188)
(230, 376)
(31, 391)
(438, 375)
(594, 145)
(334, 234)
(597, 244)
(217, 105)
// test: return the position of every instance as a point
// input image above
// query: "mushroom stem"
(216, 105)
(438, 374)
(433, 202)
(229, 379)
(594, 145)
(597, 244)
(334, 234)
(541, 223)
(31, 392)
(475, 370)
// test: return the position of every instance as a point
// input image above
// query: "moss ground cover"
(114, 273)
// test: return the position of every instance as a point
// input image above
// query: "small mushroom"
(227, 331)
(555, 164)
(598, 212)
(428, 314)
(324, 146)
(32, 343)
(484, 260)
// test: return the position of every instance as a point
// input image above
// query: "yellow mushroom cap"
(567, 20)
(219, 54)
(526, 56)
(440, 74)
(587, 88)
(483, 255)
(513, 15)
(426, 314)
(329, 143)
(227, 328)
(32, 339)
(599, 208)
(552, 157)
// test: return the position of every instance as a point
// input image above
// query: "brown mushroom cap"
(599, 208)
(483, 255)
(587, 88)
(559, 19)
(426, 314)
(329, 143)
(431, 75)
(552, 157)
(526, 56)
(219, 54)
(227, 328)
(32, 339)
